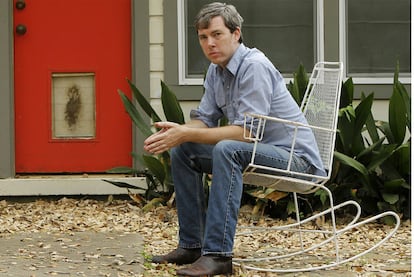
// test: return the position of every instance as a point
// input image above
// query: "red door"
(70, 58)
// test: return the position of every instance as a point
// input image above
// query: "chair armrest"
(254, 125)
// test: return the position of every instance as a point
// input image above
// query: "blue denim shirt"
(250, 83)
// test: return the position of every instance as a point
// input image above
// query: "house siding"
(154, 55)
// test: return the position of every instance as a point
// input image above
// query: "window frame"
(183, 80)
(380, 78)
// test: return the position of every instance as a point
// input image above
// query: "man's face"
(217, 42)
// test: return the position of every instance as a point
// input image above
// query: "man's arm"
(173, 134)
(213, 135)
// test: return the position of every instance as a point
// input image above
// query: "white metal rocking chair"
(320, 106)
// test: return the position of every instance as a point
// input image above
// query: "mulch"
(43, 225)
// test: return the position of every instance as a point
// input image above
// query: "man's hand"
(169, 136)
(173, 134)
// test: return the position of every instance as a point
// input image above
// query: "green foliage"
(372, 158)
(171, 106)
(159, 181)
(298, 87)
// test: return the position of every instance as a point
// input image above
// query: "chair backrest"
(320, 106)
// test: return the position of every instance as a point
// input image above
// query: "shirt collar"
(235, 60)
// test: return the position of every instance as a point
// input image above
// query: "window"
(289, 32)
(377, 34)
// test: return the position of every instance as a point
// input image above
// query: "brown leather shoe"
(208, 266)
(179, 256)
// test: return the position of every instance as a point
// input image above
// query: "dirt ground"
(107, 237)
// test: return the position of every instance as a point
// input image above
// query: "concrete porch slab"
(71, 254)
(33, 185)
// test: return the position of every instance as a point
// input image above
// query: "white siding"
(156, 39)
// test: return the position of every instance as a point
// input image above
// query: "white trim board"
(68, 185)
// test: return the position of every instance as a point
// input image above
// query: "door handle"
(21, 29)
(20, 4)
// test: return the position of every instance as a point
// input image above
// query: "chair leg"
(298, 220)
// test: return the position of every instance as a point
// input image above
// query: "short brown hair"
(232, 19)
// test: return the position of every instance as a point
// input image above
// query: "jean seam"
(199, 200)
(230, 193)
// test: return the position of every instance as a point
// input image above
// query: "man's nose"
(210, 41)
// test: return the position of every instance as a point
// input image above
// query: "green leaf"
(323, 195)
(294, 91)
(137, 156)
(371, 148)
(122, 184)
(406, 99)
(166, 161)
(385, 129)
(223, 121)
(347, 93)
(134, 115)
(381, 156)
(352, 163)
(290, 209)
(371, 126)
(145, 105)
(155, 166)
(362, 111)
(395, 185)
(122, 170)
(346, 119)
(302, 80)
(397, 116)
(391, 198)
(389, 220)
(171, 106)
(403, 156)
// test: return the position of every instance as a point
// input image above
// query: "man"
(238, 80)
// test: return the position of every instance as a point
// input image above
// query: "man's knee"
(233, 150)
(227, 148)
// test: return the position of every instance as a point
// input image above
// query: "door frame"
(6, 89)
(140, 74)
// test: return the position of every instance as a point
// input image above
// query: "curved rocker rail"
(244, 262)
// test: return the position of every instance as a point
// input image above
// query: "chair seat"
(281, 184)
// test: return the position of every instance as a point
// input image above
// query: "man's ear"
(237, 33)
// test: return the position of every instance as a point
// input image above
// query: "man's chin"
(219, 62)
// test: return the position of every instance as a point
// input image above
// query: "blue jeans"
(212, 228)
